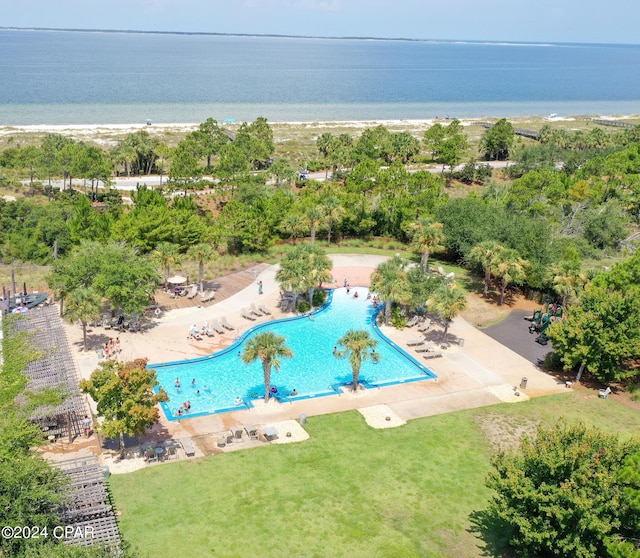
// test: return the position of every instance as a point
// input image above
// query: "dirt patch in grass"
(503, 432)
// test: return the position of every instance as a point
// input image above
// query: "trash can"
(303, 419)
(106, 473)
(460, 342)
(523, 383)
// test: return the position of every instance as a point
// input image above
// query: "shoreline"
(363, 123)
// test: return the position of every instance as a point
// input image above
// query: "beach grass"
(350, 490)
(295, 141)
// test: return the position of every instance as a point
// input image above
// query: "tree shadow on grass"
(492, 532)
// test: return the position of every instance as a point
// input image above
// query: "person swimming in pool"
(294, 392)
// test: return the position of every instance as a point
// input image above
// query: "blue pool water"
(313, 371)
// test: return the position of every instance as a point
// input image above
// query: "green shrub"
(397, 319)
(303, 306)
(634, 390)
(319, 297)
(552, 362)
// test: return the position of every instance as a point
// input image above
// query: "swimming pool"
(313, 371)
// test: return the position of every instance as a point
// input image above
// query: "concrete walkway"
(476, 372)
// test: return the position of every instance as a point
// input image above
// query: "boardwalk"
(518, 131)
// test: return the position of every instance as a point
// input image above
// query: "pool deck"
(481, 372)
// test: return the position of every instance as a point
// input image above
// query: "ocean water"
(65, 77)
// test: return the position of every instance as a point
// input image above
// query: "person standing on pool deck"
(346, 282)
(259, 287)
(86, 424)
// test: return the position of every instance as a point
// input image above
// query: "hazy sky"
(605, 21)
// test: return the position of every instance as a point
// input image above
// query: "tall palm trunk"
(84, 334)
(356, 376)
(503, 288)
(266, 369)
(447, 323)
(387, 312)
(487, 282)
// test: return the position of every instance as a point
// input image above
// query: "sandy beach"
(109, 134)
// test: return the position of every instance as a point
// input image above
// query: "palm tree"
(448, 302)
(314, 217)
(358, 347)
(302, 268)
(333, 211)
(294, 224)
(567, 280)
(484, 254)
(318, 267)
(267, 347)
(167, 254)
(389, 281)
(327, 144)
(427, 240)
(292, 276)
(202, 252)
(510, 268)
(84, 305)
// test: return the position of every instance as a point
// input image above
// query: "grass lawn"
(348, 491)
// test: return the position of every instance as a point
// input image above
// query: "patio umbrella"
(19, 310)
(177, 280)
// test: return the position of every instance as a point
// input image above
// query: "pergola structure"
(54, 368)
(88, 514)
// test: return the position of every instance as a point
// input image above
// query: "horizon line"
(287, 36)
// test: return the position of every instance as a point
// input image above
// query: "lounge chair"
(424, 326)
(270, 433)
(255, 311)
(251, 431)
(226, 324)
(413, 321)
(415, 342)
(432, 354)
(247, 315)
(171, 450)
(193, 293)
(187, 446)
(206, 330)
(264, 310)
(236, 432)
(205, 296)
(150, 455)
(604, 393)
(217, 327)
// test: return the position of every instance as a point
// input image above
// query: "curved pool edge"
(333, 389)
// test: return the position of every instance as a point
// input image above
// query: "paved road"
(129, 184)
(513, 332)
